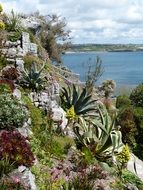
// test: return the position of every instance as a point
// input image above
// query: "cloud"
(92, 21)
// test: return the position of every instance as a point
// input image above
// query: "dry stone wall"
(15, 51)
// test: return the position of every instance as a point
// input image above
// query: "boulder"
(11, 53)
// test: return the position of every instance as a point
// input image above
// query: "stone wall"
(15, 51)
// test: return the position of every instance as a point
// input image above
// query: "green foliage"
(129, 177)
(123, 101)
(128, 126)
(80, 182)
(136, 96)
(3, 61)
(54, 31)
(12, 113)
(30, 59)
(5, 166)
(5, 88)
(101, 135)
(7, 82)
(80, 100)
(33, 79)
(44, 179)
(13, 22)
(14, 36)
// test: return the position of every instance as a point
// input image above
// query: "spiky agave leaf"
(81, 101)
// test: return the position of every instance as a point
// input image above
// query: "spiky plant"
(33, 79)
(99, 134)
(80, 100)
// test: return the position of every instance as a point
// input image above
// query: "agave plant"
(33, 78)
(80, 101)
(99, 134)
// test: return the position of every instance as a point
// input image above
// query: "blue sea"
(125, 68)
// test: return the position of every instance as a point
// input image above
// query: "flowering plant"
(15, 147)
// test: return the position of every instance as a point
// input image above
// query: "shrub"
(137, 96)
(5, 88)
(10, 73)
(12, 113)
(14, 36)
(128, 126)
(30, 59)
(14, 146)
(123, 101)
(138, 115)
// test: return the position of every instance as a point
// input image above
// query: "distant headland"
(106, 47)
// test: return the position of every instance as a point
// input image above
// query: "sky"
(91, 21)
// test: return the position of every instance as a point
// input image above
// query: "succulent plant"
(78, 99)
(99, 134)
(32, 79)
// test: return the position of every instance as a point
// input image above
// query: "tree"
(54, 36)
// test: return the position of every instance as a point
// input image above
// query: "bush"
(10, 73)
(12, 113)
(137, 96)
(30, 59)
(128, 126)
(123, 101)
(14, 36)
(14, 146)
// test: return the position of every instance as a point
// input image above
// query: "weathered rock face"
(31, 22)
(27, 46)
(15, 51)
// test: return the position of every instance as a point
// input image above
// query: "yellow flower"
(124, 156)
(71, 113)
(2, 25)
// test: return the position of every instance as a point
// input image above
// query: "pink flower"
(16, 179)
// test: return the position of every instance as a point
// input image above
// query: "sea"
(125, 68)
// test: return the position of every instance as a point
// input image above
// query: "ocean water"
(125, 68)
